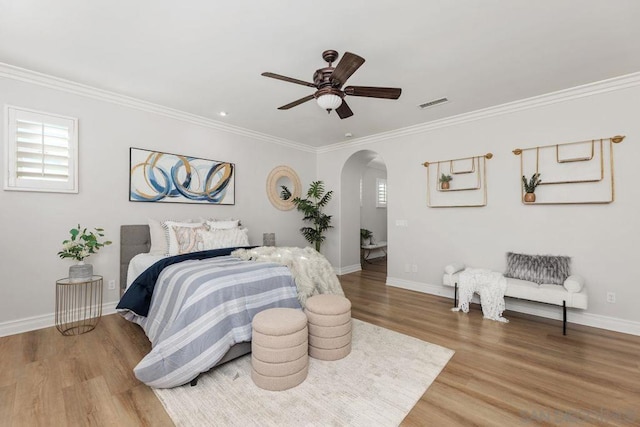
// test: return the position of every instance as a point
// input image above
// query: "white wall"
(34, 224)
(601, 239)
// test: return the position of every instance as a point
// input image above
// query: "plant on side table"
(444, 181)
(365, 236)
(530, 187)
(311, 207)
(82, 244)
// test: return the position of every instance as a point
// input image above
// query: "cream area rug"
(376, 385)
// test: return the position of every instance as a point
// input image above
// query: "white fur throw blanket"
(489, 285)
(311, 271)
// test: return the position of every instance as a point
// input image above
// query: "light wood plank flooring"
(521, 373)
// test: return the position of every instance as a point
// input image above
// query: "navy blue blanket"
(138, 296)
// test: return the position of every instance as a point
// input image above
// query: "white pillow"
(223, 225)
(189, 238)
(454, 268)
(229, 238)
(159, 241)
(173, 248)
(158, 238)
(574, 283)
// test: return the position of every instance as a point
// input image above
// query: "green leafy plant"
(82, 243)
(285, 193)
(445, 178)
(365, 234)
(311, 207)
(530, 186)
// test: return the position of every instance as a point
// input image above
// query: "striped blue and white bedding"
(201, 308)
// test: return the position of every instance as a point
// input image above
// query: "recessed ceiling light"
(223, 113)
(348, 135)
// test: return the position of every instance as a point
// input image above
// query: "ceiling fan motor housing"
(322, 77)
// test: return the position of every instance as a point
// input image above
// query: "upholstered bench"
(538, 278)
(329, 318)
(279, 348)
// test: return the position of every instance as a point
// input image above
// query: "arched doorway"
(362, 176)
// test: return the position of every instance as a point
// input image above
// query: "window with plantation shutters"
(41, 151)
(381, 193)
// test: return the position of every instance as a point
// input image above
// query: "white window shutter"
(381, 193)
(41, 151)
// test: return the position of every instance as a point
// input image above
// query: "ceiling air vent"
(432, 103)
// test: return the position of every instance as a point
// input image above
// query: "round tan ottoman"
(329, 326)
(279, 348)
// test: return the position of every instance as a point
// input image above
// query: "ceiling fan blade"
(288, 79)
(343, 110)
(348, 65)
(294, 103)
(373, 92)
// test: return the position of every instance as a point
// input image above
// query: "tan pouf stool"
(329, 326)
(279, 348)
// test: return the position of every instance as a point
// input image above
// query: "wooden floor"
(521, 373)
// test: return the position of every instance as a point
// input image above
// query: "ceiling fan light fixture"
(329, 101)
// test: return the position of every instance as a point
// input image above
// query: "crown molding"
(28, 76)
(21, 74)
(590, 89)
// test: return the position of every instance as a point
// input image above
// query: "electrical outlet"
(414, 268)
(112, 284)
(611, 297)
(407, 268)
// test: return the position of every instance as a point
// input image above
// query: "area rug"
(376, 385)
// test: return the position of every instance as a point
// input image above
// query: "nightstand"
(78, 305)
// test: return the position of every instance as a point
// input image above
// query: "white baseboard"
(19, 326)
(537, 309)
(348, 269)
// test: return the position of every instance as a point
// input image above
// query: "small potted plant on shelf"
(365, 236)
(444, 181)
(82, 244)
(530, 187)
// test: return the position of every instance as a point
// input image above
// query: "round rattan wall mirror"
(283, 176)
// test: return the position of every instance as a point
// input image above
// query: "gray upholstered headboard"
(134, 240)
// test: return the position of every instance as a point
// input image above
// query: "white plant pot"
(80, 272)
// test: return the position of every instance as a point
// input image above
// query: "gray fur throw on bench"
(547, 269)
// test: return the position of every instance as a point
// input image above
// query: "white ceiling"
(203, 56)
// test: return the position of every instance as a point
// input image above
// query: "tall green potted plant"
(311, 207)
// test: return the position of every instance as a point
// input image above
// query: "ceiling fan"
(328, 82)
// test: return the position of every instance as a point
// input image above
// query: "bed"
(196, 308)
(135, 239)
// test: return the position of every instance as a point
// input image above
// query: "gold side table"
(78, 305)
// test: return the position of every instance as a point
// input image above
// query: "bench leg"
(455, 295)
(564, 318)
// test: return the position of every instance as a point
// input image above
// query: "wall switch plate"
(611, 297)
(112, 284)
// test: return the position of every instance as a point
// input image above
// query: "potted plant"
(530, 187)
(311, 207)
(365, 236)
(444, 181)
(82, 244)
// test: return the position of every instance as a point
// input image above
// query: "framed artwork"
(163, 177)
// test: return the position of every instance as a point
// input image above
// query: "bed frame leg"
(564, 318)
(194, 382)
(455, 295)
